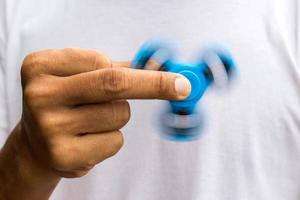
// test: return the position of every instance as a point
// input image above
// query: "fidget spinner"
(214, 66)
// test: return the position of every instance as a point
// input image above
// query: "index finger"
(123, 83)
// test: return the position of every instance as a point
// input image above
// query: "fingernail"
(182, 86)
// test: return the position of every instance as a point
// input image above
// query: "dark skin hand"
(74, 105)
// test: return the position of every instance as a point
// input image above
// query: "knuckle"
(161, 86)
(93, 57)
(99, 60)
(45, 123)
(36, 93)
(30, 59)
(68, 50)
(113, 81)
(32, 62)
(29, 64)
(71, 53)
(31, 91)
(32, 95)
(65, 156)
(51, 123)
(62, 155)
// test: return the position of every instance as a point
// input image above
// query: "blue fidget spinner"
(215, 66)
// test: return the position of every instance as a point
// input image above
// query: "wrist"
(25, 176)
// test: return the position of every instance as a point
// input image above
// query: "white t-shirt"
(251, 146)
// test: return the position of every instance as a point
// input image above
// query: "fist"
(74, 105)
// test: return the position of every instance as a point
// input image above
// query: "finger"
(121, 83)
(126, 64)
(94, 148)
(100, 117)
(64, 62)
(151, 64)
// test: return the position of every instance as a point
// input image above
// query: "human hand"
(74, 105)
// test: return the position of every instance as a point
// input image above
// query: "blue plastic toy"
(214, 66)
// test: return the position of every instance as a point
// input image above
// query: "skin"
(74, 105)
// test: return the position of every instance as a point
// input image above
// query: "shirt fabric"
(250, 148)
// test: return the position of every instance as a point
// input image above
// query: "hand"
(74, 105)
